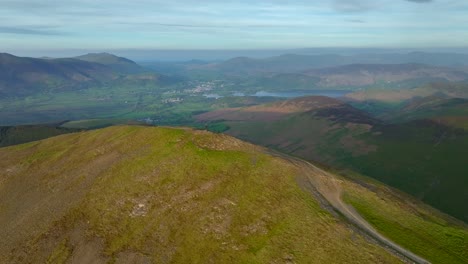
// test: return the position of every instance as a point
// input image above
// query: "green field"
(117, 103)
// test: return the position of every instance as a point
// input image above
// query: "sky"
(100, 25)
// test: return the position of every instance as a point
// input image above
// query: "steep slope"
(407, 221)
(118, 64)
(439, 108)
(444, 103)
(422, 158)
(143, 194)
(399, 217)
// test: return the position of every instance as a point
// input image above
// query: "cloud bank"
(243, 24)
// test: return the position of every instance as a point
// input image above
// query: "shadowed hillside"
(421, 157)
(13, 135)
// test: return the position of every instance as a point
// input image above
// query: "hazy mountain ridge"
(332, 71)
(119, 64)
(356, 75)
(21, 76)
(294, 62)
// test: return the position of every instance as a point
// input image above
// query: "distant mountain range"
(295, 63)
(359, 76)
(20, 76)
(329, 71)
(118, 64)
(24, 76)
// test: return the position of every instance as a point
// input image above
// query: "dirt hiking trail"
(328, 186)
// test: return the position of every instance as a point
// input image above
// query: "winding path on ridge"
(329, 187)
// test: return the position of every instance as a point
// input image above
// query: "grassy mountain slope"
(408, 221)
(423, 158)
(145, 194)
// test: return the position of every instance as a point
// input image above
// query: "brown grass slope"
(272, 111)
(300, 126)
(133, 194)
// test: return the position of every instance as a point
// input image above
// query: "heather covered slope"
(144, 194)
(314, 127)
(270, 111)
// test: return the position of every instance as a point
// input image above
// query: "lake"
(293, 94)
(329, 93)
